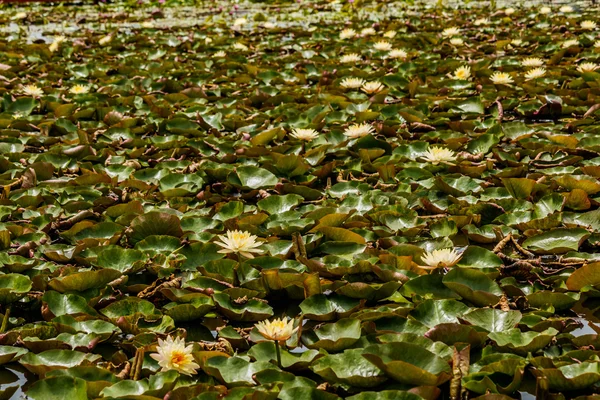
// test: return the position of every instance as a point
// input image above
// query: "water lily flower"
(516, 42)
(239, 242)
(269, 25)
(240, 46)
(220, 54)
(79, 89)
(240, 22)
(566, 9)
(32, 90)
(456, 41)
(501, 78)
(509, 11)
(278, 330)
(382, 46)
(587, 67)
(568, 43)
(350, 58)
(147, 24)
(56, 43)
(587, 24)
(481, 21)
(174, 355)
(436, 155)
(545, 10)
(443, 258)
(462, 73)
(389, 34)
(372, 87)
(352, 83)
(20, 15)
(452, 31)
(535, 73)
(597, 43)
(532, 62)
(347, 33)
(397, 53)
(105, 40)
(358, 130)
(304, 134)
(368, 32)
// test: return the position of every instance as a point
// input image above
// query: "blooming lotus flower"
(347, 33)
(278, 330)
(516, 42)
(481, 21)
(436, 155)
(590, 25)
(368, 32)
(304, 134)
(372, 87)
(32, 90)
(535, 73)
(568, 43)
(462, 73)
(566, 9)
(352, 83)
(239, 242)
(397, 53)
(532, 62)
(220, 54)
(501, 78)
(587, 67)
(509, 11)
(79, 89)
(382, 46)
(174, 355)
(443, 258)
(389, 34)
(453, 31)
(545, 10)
(350, 58)
(358, 130)
(240, 46)
(456, 41)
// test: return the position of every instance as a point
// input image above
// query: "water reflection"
(14, 380)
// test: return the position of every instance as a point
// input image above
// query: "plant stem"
(5, 320)
(278, 351)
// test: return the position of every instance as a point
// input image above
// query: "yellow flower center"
(178, 358)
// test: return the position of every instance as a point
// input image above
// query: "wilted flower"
(240, 46)
(304, 134)
(587, 67)
(347, 33)
(456, 41)
(566, 9)
(32, 90)
(535, 73)
(591, 25)
(358, 130)
(239, 242)
(453, 31)
(382, 46)
(532, 62)
(436, 155)
(79, 89)
(367, 31)
(372, 87)
(278, 330)
(509, 11)
(350, 58)
(569, 43)
(352, 83)
(220, 54)
(501, 78)
(462, 73)
(443, 258)
(105, 40)
(397, 53)
(173, 355)
(389, 34)
(481, 21)
(545, 10)
(240, 22)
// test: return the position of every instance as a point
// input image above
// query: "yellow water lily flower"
(509, 11)
(382, 46)
(436, 155)
(278, 330)
(269, 25)
(389, 34)
(105, 40)
(589, 25)
(79, 89)
(240, 22)
(443, 258)
(56, 43)
(372, 87)
(239, 242)
(304, 134)
(501, 78)
(545, 10)
(358, 130)
(352, 83)
(569, 43)
(516, 42)
(350, 58)
(456, 41)
(481, 21)
(535, 73)
(566, 9)
(147, 24)
(597, 43)
(587, 67)
(462, 73)
(20, 15)
(368, 32)
(397, 53)
(174, 355)
(220, 54)
(347, 33)
(452, 31)
(32, 90)
(532, 62)
(240, 46)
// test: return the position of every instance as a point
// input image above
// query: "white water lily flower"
(347, 33)
(597, 43)
(32, 90)
(516, 42)
(456, 41)
(569, 43)
(368, 32)
(509, 11)
(372, 87)
(397, 53)
(79, 89)
(462, 73)
(532, 62)
(382, 46)
(56, 43)
(240, 22)
(443, 258)
(590, 25)
(481, 21)
(174, 355)
(452, 31)
(350, 58)
(147, 24)
(566, 9)
(352, 83)
(535, 73)
(220, 54)
(105, 40)
(304, 134)
(436, 155)
(587, 67)
(358, 130)
(20, 15)
(269, 25)
(240, 46)
(239, 242)
(545, 10)
(501, 78)
(389, 34)
(278, 330)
